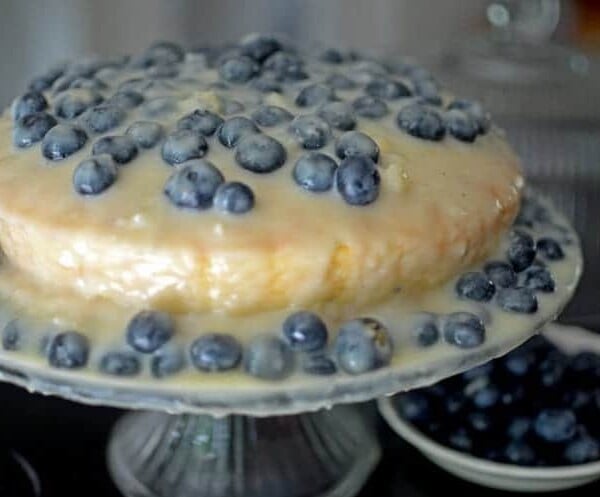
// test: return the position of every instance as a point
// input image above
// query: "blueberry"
(285, 66)
(193, 185)
(121, 148)
(520, 299)
(413, 406)
(12, 336)
(478, 372)
(428, 90)
(532, 212)
(76, 102)
(318, 365)
(32, 129)
(538, 279)
(339, 115)
(582, 450)
(501, 274)
(28, 104)
(464, 330)
(45, 81)
(551, 370)
(555, 425)
(163, 71)
(475, 111)
(519, 453)
(331, 56)
(68, 350)
(585, 364)
(268, 358)
(260, 154)
(238, 69)
(521, 251)
(62, 141)
(234, 129)
(146, 134)
(421, 122)
(363, 345)
(459, 439)
(358, 180)
(314, 94)
(461, 126)
(311, 132)
(167, 362)
(480, 422)
(120, 364)
(353, 143)
(234, 198)
(304, 331)
(183, 145)
(204, 122)
(259, 46)
(519, 362)
(387, 89)
(518, 427)
(103, 118)
(315, 172)
(486, 397)
(230, 106)
(424, 329)
(94, 175)
(475, 286)
(148, 331)
(126, 99)
(340, 82)
(271, 115)
(550, 249)
(216, 352)
(370, 107)
(163, 52)
(266, 84)
(159, 107)
(453, 402)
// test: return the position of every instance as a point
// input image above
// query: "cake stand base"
(327, 453)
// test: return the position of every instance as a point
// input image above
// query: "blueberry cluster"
(535, 407)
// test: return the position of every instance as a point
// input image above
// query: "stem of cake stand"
(327, 453)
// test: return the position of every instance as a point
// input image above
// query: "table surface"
(65, 443)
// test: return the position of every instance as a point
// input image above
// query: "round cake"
(201, 201)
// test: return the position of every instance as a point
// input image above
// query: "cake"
(254, 207)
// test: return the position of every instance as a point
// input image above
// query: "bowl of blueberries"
(527, 422)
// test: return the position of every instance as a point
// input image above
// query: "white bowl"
(500, 475)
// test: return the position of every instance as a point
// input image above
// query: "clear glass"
(326, 453)
(17, 477)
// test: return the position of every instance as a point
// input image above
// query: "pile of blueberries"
(536, 406)
(63, 108)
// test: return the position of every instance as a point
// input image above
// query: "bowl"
(501, 475)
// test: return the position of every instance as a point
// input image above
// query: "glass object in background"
(17, 476)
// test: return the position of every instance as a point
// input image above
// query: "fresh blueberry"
(259, 46)
(479, 421)
(318, 365)
(358, 180)
(234, 129)
(340, 82)
(421, 122)
(164, 71)
(555, 425)
(520, 299)
(550, 249)
(204, 122)
(475, 286)
(234, 198)
(12, 336)
(260, 154)
(353, 143)
(413, 406)
(501, 274)
(268, 358)
(304, 331)
(120, 364)
(478, 372)
(68, 350)
(486, 397)
(32, 129)
(87, 84)
(266, 84)
(148, 331)
(475, 111)
(62, 141)
(339, 115)
(163, 53)
(370, 107)
(387, 89)
(518, 427)
(271, 115)
(103, 118)
(315, 94)
(461, 126)
(428, 90)
(183, 145)
(551, 370)
(459, 439)
(45, 81)
(464, 330)
(126, 99)
(585, 364)
(311, 132)
(532, 212)
(230, 106)
(28, 104)
(424, 329)
(193, 185)
(94, 175)
(519, 453)
(331, 56)
(285, 66)
(238, 69)
(216, 352)
(121, 148)
(146, 134)
(363, 345)
(453, 402)
(315, 172)
(582, 450)
(76, 102)
(520, 362)
(167, 362)
(159, 107)
(538, 279)
(521, 251)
